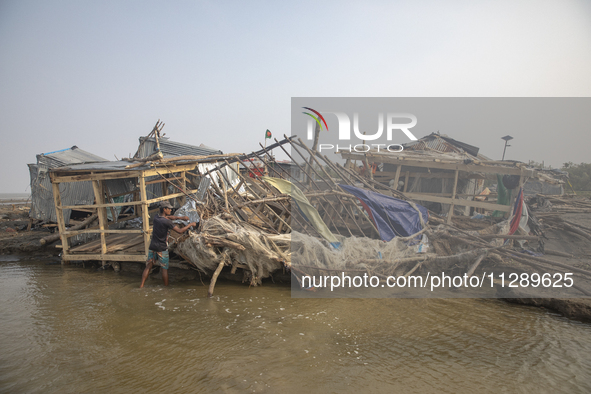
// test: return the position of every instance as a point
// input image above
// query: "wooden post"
(59, 214)
(453, 196)
(145, 216)
(99, 197)
(183, 199)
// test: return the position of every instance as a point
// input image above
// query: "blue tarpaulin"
(391, 216)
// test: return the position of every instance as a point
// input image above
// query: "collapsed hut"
(310, 216)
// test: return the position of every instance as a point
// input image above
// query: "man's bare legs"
(147, 272)
(164, 275)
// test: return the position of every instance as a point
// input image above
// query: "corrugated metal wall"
(43, 207)
(80, 193)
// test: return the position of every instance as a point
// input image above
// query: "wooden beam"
(93, 177)
(169, 169)
(61, 176)
(426, 175)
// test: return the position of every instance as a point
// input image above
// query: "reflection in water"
(75, 330)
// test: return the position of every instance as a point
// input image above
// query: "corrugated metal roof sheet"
(437, 144)
(64, 157)
(444, 144)
(171, 148)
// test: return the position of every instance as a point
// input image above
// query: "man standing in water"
(158, 254)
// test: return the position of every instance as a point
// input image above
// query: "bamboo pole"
(97, 186)
(329, 178)
(284, 207)
(318, 187)
(145, 215)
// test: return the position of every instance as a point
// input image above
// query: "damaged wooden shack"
(448, 176)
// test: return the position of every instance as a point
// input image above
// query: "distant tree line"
(579, 175)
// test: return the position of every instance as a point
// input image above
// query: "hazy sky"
(99, 74)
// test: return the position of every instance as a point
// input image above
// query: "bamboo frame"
(103, 203)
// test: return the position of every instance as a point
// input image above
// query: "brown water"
(71, 330)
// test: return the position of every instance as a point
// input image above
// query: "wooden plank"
(393, 159)
(88, 246)
(96, 245)
(57, 200)
(108, 257)
(128, 245)
(462, 203)
(125, 243)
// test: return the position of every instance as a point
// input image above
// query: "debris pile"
(260, 217)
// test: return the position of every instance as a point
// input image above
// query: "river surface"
(72, 330)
